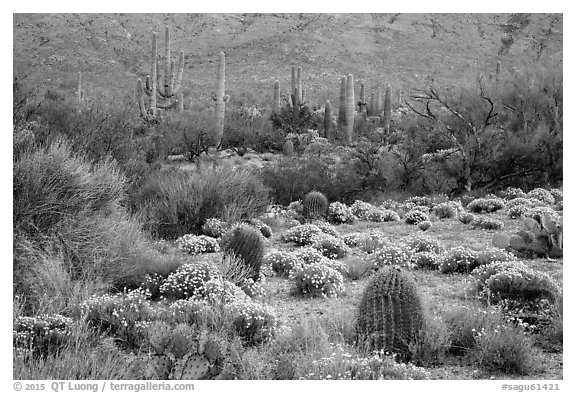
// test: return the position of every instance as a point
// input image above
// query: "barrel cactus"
(315, 205)
(247, 244)
(390, 314)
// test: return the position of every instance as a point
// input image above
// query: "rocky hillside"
(405, 50)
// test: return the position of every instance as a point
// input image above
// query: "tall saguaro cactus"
(387, 114)
(276, 99)
(342, 106)
(350, 108)
(378, 102)
(163, 90)
(220, 98)
(297, 90)
(328, 121)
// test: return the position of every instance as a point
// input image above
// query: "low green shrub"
(415, 217)
(317, 279)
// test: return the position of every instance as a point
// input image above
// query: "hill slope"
(113, 50)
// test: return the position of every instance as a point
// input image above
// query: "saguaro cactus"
(387, 114)
(342, 107)
(378, 102)
(220, 98)
(276, 99)
(163, 90)
(297, 90)
(328, 121)
(362, 101)
(350, 108)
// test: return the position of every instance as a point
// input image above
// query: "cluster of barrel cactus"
(541, 237)
(390, 313)
(178, 353)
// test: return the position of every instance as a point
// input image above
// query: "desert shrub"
(514, 280)
(119, 316)
(392, 255)
(489, 341)
(303, 235)
(254, 322)
(357, 267)
(174, 203)
(193, 244)
(487, 223)
(420, 201)
(425, 260)
(458, 260)
(254, 290)
(491, 255)
(264, 229)
(541, 195)
(373, 241)
(558, 194)
(466, 218)
(328, 229)
(332, 247)
(424, 225)
(189, 312)
(381, 215)
(511, 193)
(233, 269)
(40, 335)
(317, 279)
(414, 217)
(353, 239)
(361, 209)
(339, 213)
(486, 205)
(281, 262)
(538, 211)
(214, 227)
(432, 344)
(343, 364)
(423, 243)
(188, 281)
(517, 211)
(445, 210)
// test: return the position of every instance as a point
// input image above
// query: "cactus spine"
(276, 99)
(387, 114)
(328, 121)
(247, 244)
(315, 205)
(390, 313)
(220, 98)
(350, 108)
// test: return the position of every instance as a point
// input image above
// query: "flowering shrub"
(514, 280)
(332, 247)
(373, 241)
(361, 209)
(491, 255)
(353, 239)
(302, 235)
(466, 218)
(458, 260)
(318, 279)
(423, 243)
(517, 211)
(392, 255)
(254, 290)
(328, 229)
(487, 223)
(193, 244)
(511, 193)
(382, 215)
(447, 209)
(40, 335)
(308, 255)
(150, 287)
(218, 290)
(343, 365)
(486, 205)
(214, 227)
(541, 195)
(425, 260)
(339, 213)
(538, 211)
(195, 312)
(255, 323)
(118, 315)
(296, 207)
(420, 201)
(415, 216)
(188, 281)
(264, 229)
(424, 225)
(281, 262)
(558, 194)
